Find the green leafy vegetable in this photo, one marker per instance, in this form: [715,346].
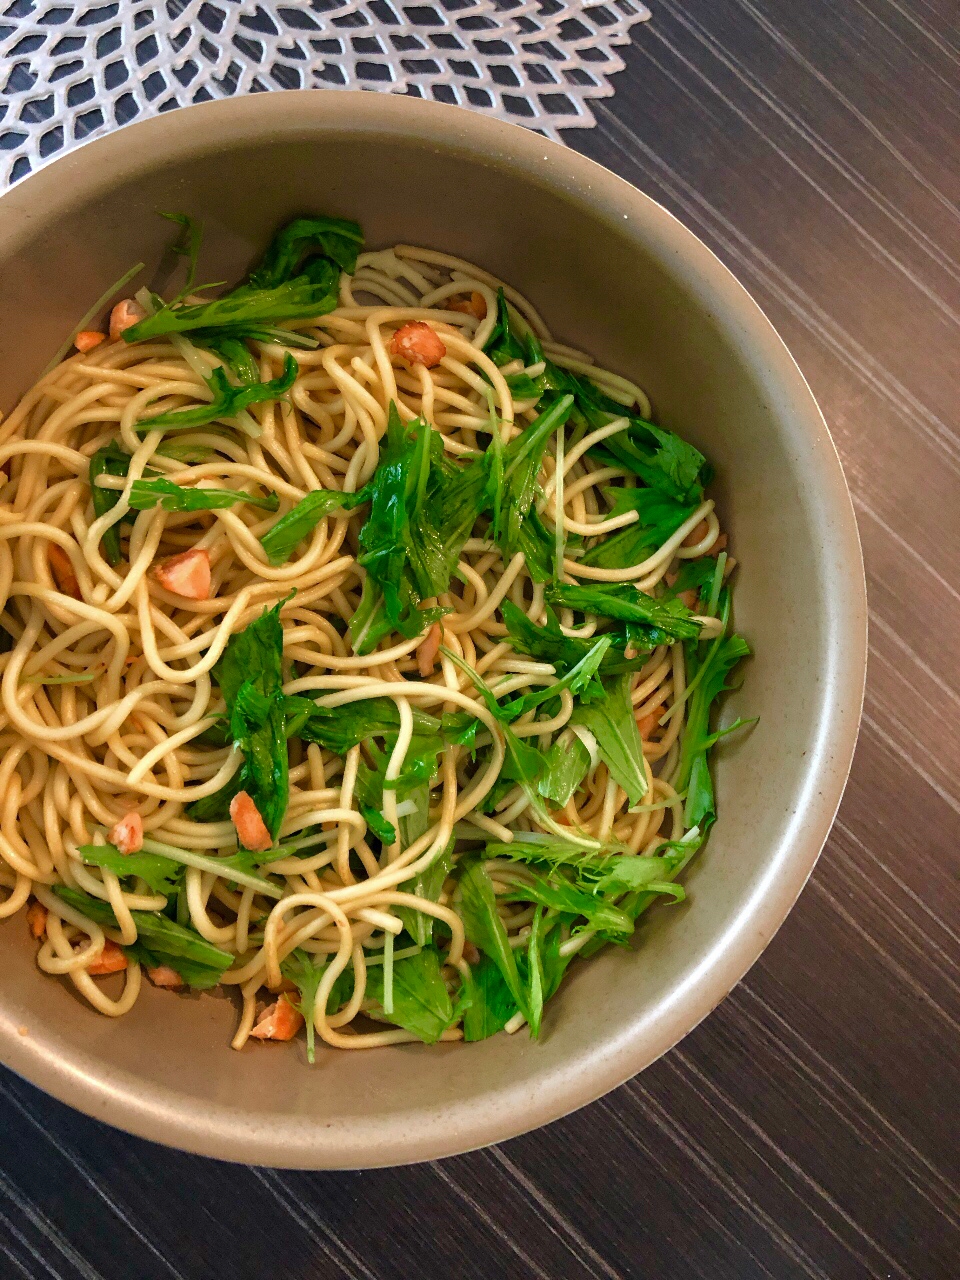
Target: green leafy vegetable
[340,728]
[369,623]
[281,540]
[217,736]
[342,989]
[455,498]
[243,309]
[621,550]
[522,459]
[710,672]
[538,546]
[459,728]
[232,349]
[404,534]
[575,876]
[534,972]
[524,763]
[200,977]
[198,962]
[660,458]
[650,622]
[578,678]
[161,874]
[490,1004]
[231,346]
[504,346]
[216,807]
[427,884]
[186,245]
[561,896]
[497,793]
[298,278]
[552,962]
[611,721]
[258,648]
[419,766]
[258,728]
[306,971]
[485,929]
[694,575]
[250,675]
[145,494]
[422,510]
[552,851]
[659,517]
[626,874]
[675,856]
[369,793]
[112,461]
[401,556]
[423,507]
[239,868]
[549,644]
[421,1002]
[659,514]
[338,239]
[567,764]
[227,401]
[148,493]
[604,893]
[717,585]
[185,452]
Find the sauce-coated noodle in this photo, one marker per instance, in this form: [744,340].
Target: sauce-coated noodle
[111,702]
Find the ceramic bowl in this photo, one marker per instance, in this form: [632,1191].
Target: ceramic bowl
[616,274]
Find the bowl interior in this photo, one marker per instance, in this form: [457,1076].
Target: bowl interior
[610,271]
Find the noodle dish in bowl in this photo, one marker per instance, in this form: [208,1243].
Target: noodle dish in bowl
[363,644]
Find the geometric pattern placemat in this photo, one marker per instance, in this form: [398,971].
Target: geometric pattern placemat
[75,70]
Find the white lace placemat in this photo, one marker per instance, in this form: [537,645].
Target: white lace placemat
[78,68]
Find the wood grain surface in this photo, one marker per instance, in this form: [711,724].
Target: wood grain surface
[811,1126]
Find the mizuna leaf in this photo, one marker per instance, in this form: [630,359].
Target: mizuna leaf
[280,541]
[227,401]
[611,721]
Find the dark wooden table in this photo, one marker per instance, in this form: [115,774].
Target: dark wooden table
[810,1127]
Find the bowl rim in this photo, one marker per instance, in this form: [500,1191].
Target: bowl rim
[163,1115]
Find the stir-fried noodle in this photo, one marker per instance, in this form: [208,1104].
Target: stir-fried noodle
[444,841]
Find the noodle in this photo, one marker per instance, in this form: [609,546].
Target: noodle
[113,694]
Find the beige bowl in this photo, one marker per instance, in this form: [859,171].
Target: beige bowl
[614,273]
